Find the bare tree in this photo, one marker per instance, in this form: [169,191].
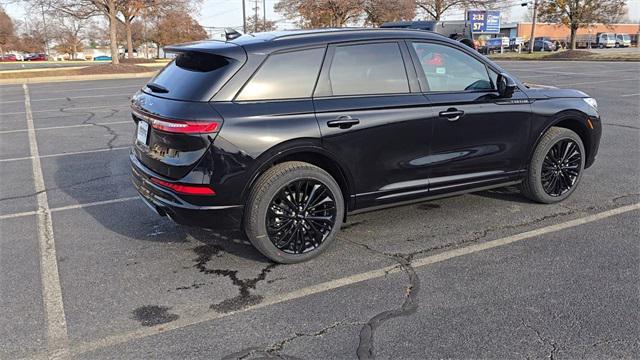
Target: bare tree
[83,9]
[581,13]
[381,11]
[436,8]
[321,13]
[69,32]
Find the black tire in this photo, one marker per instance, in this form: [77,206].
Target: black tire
[269,189]
[536,186]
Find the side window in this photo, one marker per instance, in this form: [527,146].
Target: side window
[449,69]
[368,69]
[284,76]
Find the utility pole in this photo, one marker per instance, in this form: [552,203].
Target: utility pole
[244,18]
[255,18]
[264,15]
[532,39]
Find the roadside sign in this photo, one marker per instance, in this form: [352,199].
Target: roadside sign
[483,21]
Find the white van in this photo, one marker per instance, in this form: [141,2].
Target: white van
[623,40]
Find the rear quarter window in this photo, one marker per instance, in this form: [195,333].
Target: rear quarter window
[290,75]
[195,76]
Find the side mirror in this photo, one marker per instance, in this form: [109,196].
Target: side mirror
[506,85]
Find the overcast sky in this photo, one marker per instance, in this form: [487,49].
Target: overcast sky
[228,13]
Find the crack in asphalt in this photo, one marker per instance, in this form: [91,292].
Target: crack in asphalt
[91,115]
[274,350]
[63,187]
[545,341]
[366,348]
[245,297]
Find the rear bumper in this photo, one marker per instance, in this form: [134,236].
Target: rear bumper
[166,203]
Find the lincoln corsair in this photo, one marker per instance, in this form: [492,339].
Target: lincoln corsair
[283,134]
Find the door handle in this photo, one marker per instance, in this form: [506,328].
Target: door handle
[452,114]
[343,122]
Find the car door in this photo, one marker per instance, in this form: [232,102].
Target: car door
[373,117]
[478,137]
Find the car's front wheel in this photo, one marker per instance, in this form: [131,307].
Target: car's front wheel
[294,212]
[556,167]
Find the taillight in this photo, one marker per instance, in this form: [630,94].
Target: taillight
[185,189]
[179,126]
[185,127]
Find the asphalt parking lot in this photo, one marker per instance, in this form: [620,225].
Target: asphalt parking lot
[87,271]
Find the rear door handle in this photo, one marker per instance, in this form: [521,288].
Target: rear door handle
[452,114]
[343,122]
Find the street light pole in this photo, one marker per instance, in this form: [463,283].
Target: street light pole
[532,39]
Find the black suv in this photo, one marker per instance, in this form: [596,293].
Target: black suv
[284,133]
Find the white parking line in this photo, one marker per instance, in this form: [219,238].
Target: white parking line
[596,82]
[627,95]
[70,207]
[185,321]
[66,154]
[66,127]
[65,98]
[57,336]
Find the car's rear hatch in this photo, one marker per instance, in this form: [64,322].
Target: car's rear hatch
[178,122]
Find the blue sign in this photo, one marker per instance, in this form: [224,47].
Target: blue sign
[484,21]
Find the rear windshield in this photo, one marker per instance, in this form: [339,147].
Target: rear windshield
[193,76]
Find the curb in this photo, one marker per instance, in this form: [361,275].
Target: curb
[46,79]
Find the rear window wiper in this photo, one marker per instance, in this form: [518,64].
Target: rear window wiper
[157,88]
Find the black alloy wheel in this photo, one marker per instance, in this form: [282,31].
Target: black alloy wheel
[301,216]
[561,167]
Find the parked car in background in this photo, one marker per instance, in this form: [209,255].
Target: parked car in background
[8,57]
[599,40]
[459,30]
[541,45]
[19,57]
[102,58]
[623,40]
[284,133]
[36,57]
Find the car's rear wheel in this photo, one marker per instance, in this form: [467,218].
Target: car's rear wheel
[556,167]
[294,212]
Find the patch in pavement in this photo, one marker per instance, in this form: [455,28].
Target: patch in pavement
[152,315]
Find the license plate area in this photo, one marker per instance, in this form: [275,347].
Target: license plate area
[143,132]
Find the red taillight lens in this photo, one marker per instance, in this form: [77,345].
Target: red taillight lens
[179,126]
[185,189]
[185,127]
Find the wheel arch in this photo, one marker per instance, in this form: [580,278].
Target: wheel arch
[572,120]
[311,153]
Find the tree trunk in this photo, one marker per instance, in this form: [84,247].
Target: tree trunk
[113,33]
[573,37]
[127,24]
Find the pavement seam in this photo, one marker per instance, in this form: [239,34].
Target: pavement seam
[57,335]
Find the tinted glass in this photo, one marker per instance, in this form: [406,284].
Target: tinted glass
[368,69]
[193,76]
[285,76]
[449,69]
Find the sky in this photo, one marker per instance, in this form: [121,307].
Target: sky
[228,13]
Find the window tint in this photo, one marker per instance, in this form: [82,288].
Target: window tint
[285,76]
[368,69]
[449,69]
[195,76]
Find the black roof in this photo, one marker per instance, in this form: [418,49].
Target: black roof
[276,40]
